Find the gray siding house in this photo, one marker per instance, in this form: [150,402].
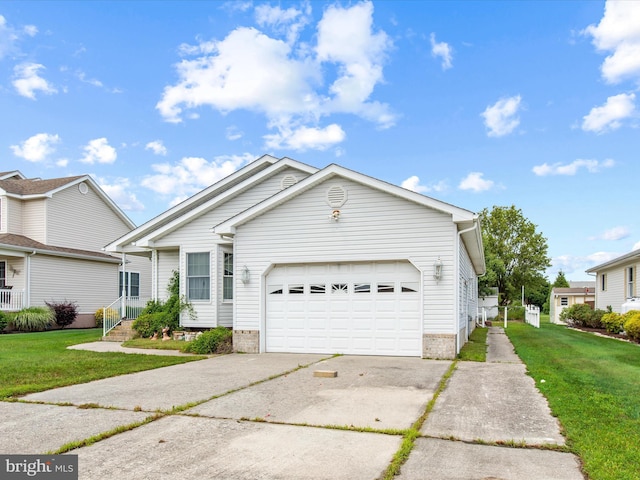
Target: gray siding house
[51,236]
[297,259]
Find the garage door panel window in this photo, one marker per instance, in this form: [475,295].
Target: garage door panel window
[275,290]
[296,289]
[317,288]
[198,276]
[386,287]
[409,287]
[362,288]
[339,288]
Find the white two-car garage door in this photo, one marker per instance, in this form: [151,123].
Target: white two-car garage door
[351,308]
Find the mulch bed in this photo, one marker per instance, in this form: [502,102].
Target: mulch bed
[604,333]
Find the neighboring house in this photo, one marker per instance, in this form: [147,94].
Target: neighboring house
[51,238]
[563,297]
[296,259]
[616,281]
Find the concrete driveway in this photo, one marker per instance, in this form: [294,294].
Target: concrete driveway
[268,417]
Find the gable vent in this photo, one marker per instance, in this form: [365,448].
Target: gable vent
[336,196]
[288,181]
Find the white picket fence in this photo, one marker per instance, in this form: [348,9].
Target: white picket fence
[532,315]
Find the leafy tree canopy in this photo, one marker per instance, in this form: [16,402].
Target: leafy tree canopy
[560,281]
[515,253]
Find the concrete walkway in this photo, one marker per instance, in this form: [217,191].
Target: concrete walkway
[268,416]
[117,347]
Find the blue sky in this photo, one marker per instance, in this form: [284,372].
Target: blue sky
[532,104]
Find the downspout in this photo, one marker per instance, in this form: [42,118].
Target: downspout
[123,306]
[28,280]
[470,229]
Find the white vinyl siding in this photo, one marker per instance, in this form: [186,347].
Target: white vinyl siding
[81,221]
[11,213]
[614,294]
[467,296]
[168,261]
[90,284]
[373,225]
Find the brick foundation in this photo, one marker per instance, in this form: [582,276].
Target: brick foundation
[246,341]
[439,345]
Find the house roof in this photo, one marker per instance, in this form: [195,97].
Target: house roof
[10,241]
[574,291]
[14,184]
[468,222]
[621,260]
[209,197]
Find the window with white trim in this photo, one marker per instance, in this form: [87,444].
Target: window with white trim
[130,281]
[603,282]
[198,276]
[227,276]
[564,301]
[3,274]
[630,282]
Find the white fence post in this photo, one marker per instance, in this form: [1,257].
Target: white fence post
[505,317]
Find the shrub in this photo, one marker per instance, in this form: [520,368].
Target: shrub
[33,319]
[578,315]
[65,312]
[595,319]
[613,322]
[632,325]
[4,320]
[217,340]
[111,313]
[149,323]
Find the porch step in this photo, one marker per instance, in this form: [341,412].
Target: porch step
[123,332]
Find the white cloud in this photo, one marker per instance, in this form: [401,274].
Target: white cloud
[99,151]
[120,192]
[570,263]
[233,133]
[156,147]
[501,118]
[10,36]
[618,32]
[616,233]
[192,174]
[475,183]
[636,246]
[289,22]
[285,79]
[413,183]
[27,81]
[303,138]
[36,148]
[442,50]
[82,76]
[592,166]
[608,116]
[62,162]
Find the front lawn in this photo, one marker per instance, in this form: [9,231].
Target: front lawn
[32,362]
[593,387]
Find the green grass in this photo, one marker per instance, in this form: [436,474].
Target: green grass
[475,350]
[33,362]
[593,387]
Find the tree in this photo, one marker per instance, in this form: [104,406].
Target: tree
[515,253]
[560,281]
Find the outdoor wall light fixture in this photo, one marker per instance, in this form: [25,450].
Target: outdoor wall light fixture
[335,215]
[437,269]
[245,275]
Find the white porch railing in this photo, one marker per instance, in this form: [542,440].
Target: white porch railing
[532,315]
[127,308]
[11,300]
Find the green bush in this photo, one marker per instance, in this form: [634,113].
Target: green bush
[613,322]
[632,325]
[33,319]
[149,323]
[579,315]
[111,313]
[595,319]
[217,340]
[4,320]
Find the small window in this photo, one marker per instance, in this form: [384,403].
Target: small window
[317,288]
[630,277]
[362,288]
[386,287]
[227,276]
[131,284]
[3,275]
[603,282]
[564,301]
[198,276]
[339,288]
[409,287]
[275,290]
[296,289]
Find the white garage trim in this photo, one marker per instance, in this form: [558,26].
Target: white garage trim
[361,308]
